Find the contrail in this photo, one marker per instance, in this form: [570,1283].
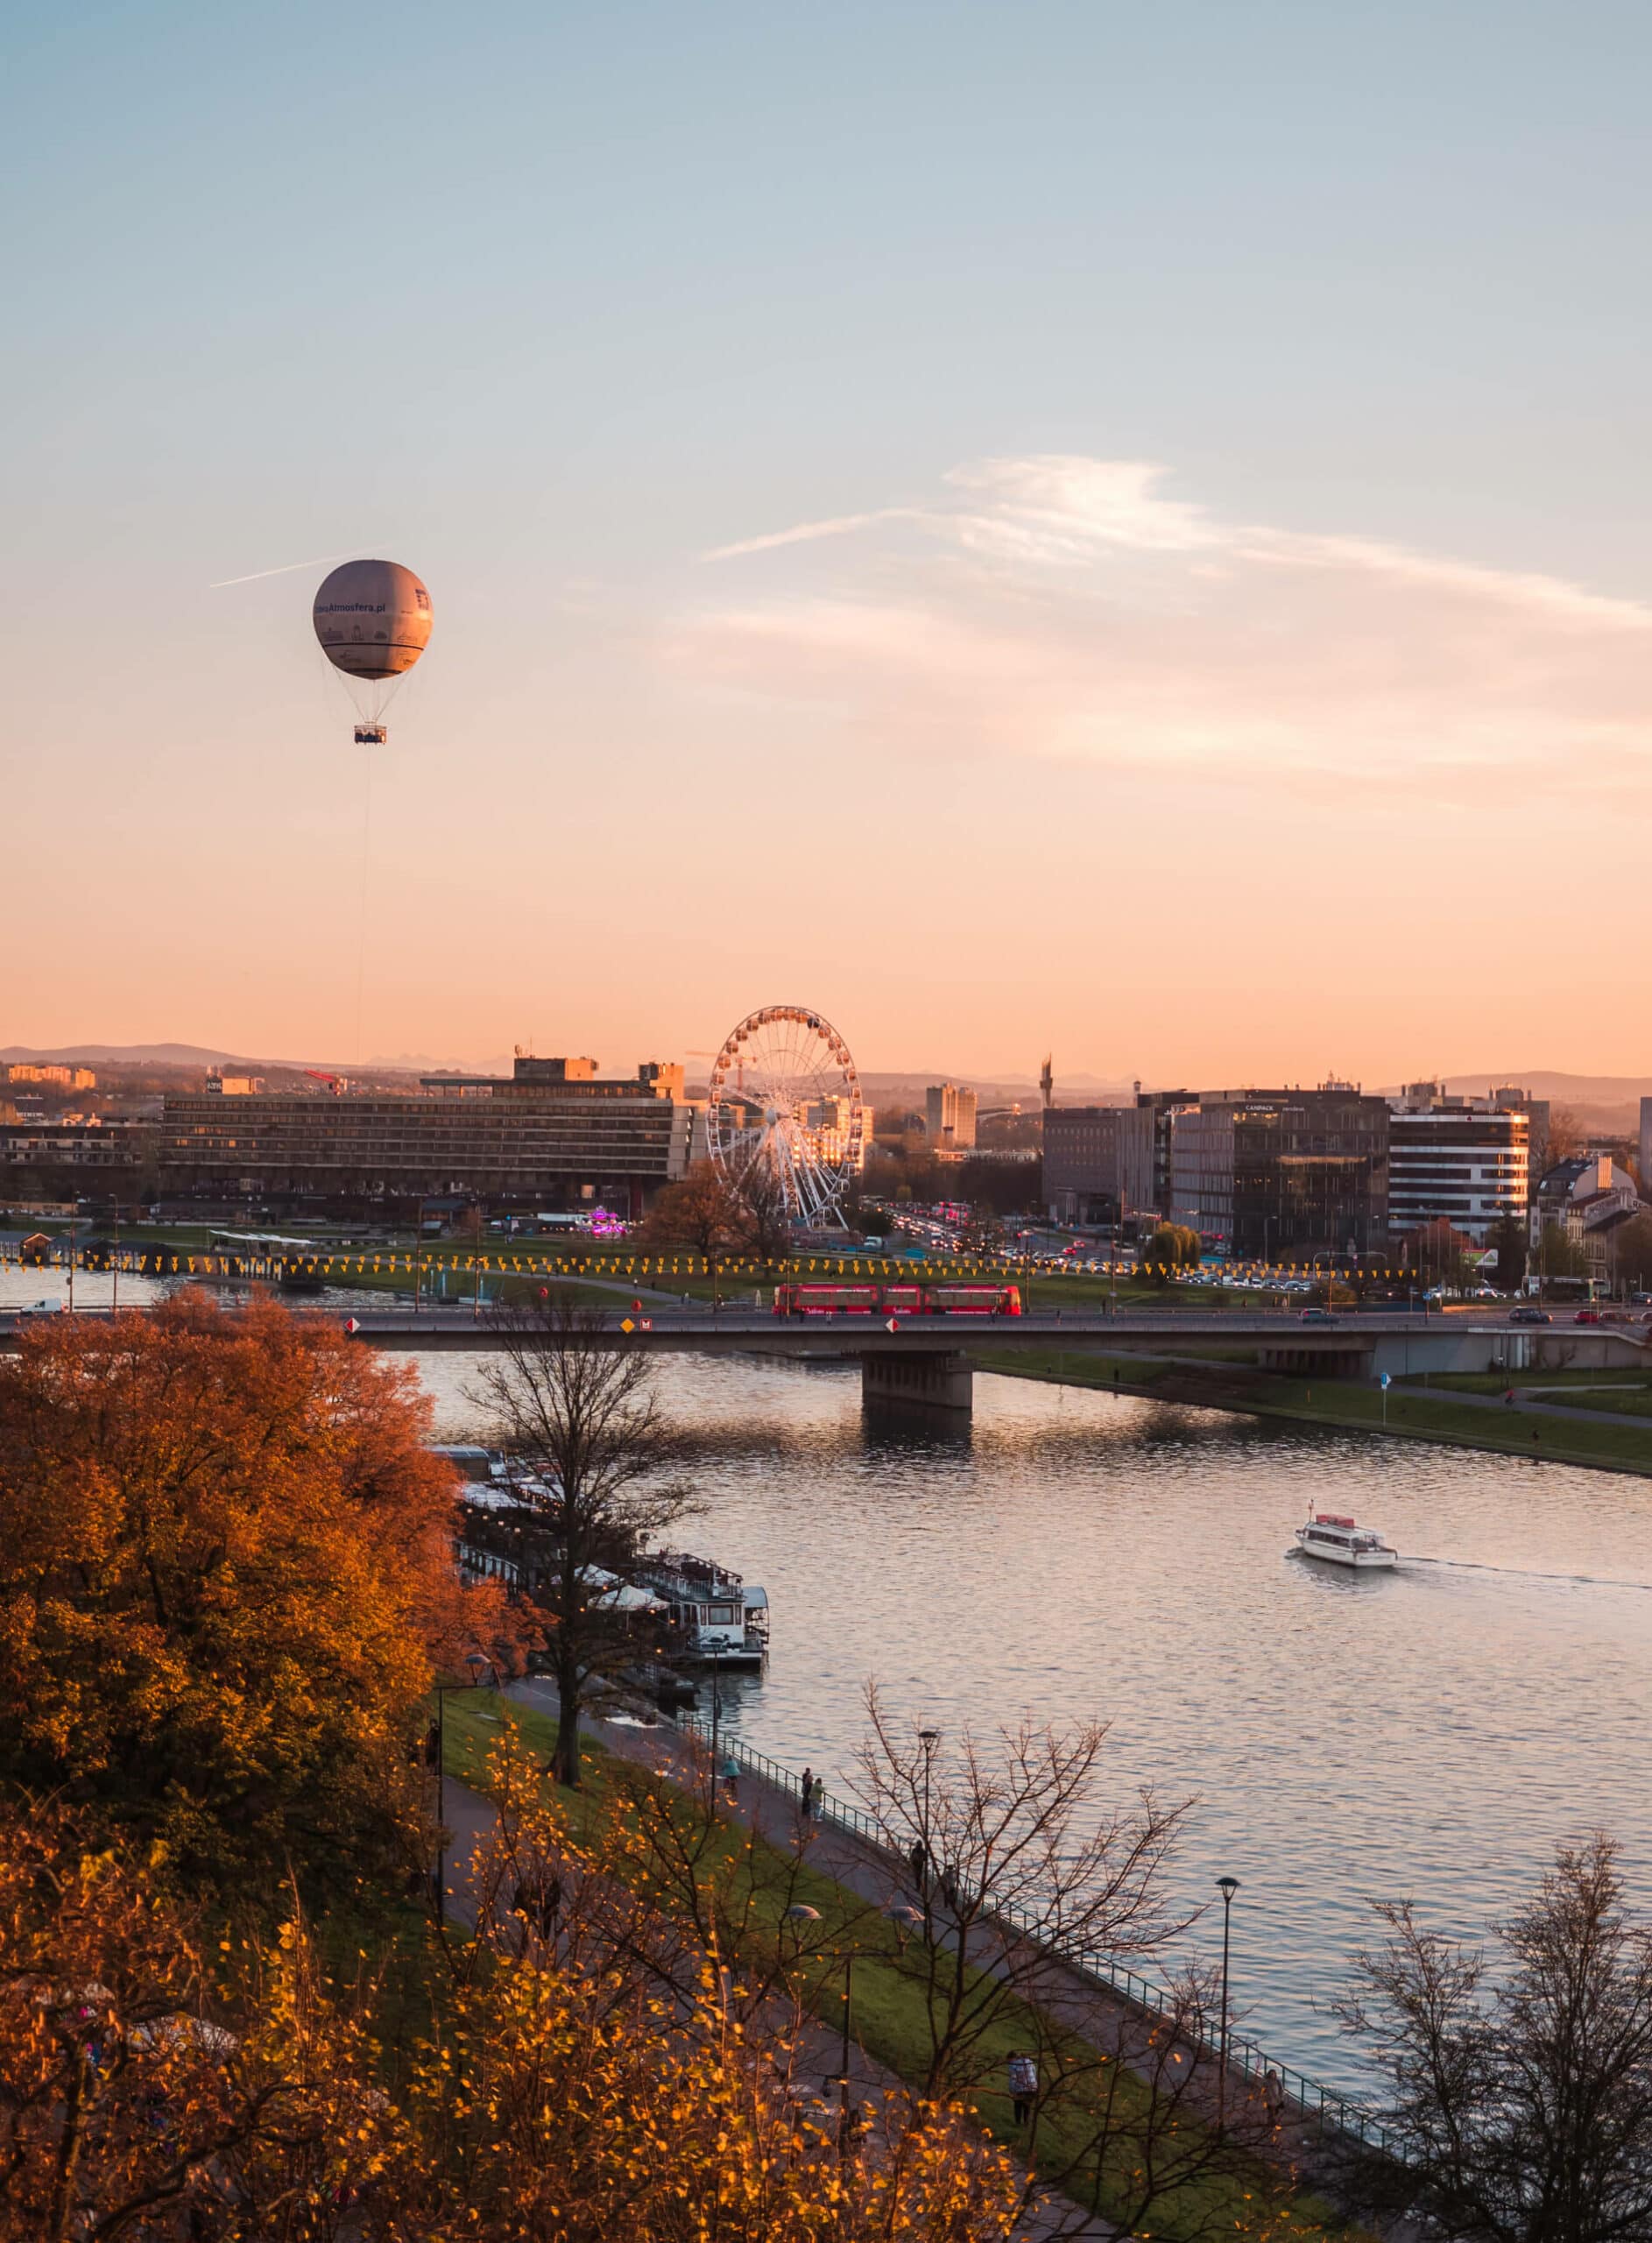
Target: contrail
[285,568]
[805,532]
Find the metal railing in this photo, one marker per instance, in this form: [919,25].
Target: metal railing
[1310,2097]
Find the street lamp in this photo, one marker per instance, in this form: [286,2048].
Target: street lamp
[928,1738]
[477,1663]
[716,1705]
[1228,1886]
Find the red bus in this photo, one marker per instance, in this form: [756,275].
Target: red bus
[851,1299]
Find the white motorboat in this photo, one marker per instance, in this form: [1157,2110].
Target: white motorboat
[1340,1542]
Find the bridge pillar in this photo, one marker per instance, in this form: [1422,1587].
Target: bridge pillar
[942,1381]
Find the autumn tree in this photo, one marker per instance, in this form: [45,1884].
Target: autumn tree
[651,2062]
[156,2080]
[573,1403]
[225,1561]
[704,1214]
[1519,2074]
[768,1213]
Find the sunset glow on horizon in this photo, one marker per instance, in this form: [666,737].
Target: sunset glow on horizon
[1104,558]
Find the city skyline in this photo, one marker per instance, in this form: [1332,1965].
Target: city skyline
[1057,538]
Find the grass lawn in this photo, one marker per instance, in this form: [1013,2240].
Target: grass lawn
[1414,1412]
[889,2020]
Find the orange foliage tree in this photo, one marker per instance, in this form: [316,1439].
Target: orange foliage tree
[157,2082]
[226,1567]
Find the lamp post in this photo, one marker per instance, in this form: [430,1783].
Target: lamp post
[928,1738]
[716,1708]
[1228,1886]
[477,1663]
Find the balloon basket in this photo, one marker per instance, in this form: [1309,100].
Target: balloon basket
[372,735]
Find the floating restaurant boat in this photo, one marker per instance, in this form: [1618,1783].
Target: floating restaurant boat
[1340,1542]
[718,1618]
[709,1616]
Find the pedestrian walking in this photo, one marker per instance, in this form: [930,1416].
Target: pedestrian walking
[1023,2070]
[820,1794]
[806,1799]
[918,1859]
[949,1884]
[731,1778]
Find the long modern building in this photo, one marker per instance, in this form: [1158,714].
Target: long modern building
[551,1134]
[1465,1161]
[1284,1174]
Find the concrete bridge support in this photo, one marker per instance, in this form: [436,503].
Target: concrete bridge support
[941,1381]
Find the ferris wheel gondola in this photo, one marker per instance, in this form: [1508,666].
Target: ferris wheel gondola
[785,1113]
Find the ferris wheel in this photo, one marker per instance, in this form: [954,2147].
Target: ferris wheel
[786,1103]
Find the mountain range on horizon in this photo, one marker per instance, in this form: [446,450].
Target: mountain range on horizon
[1557,1084]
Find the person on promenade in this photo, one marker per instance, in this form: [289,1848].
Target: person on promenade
[1023,2070]
[949,1884]
[731,1778]
[820,1794]
[806,1794]
[920,1859]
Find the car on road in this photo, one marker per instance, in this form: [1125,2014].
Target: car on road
[1529,1316]
[1315,1316]
[1587,1316]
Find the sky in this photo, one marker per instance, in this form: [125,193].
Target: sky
[1070,526]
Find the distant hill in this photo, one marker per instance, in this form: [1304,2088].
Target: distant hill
[131,1055]
[194,1056]
[1562,1090]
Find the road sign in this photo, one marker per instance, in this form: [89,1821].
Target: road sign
[1388,1380]
[626,1324]
[351,1325]
[893,1325]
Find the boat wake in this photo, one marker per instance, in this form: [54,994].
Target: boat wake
[1523,1573]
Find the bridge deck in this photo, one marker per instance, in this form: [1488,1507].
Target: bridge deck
[700,1330]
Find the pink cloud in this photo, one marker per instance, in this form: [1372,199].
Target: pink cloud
[1067,610]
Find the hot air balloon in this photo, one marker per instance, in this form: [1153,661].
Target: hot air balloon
[373,620]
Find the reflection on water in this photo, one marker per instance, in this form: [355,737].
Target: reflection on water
[1429,1732]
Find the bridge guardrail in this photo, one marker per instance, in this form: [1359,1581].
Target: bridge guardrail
[1311,2098]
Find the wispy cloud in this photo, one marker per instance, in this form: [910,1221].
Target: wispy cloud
[320,561]
[1072,609]
[810,533]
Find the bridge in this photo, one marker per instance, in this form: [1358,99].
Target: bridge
[926,1361]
